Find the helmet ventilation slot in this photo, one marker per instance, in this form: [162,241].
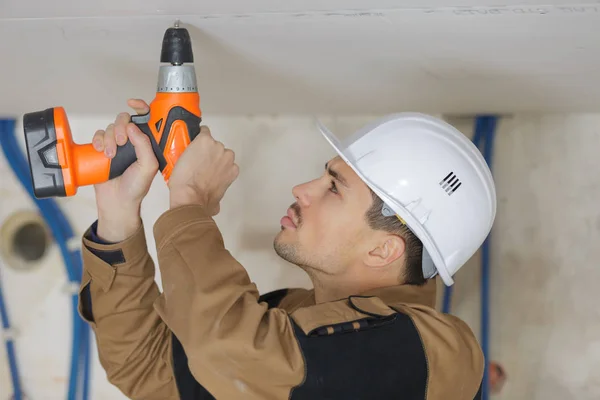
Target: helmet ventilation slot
[450,183]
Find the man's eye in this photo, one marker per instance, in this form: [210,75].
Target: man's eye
[333,188]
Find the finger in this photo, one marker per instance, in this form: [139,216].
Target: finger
[139,105]
[143,148]
[230,176]
[110,145]
[231,173]
[229,156]
[121,128]
[205,130]
[235,172]
[98,140]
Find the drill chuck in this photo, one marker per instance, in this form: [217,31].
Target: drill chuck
[176,50]
[176,46]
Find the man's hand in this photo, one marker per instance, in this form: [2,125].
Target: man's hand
[203,173]
[119,200]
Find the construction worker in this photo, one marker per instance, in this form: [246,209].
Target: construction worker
[407,198]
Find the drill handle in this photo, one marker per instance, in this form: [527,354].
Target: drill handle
[125,155]
[181,127]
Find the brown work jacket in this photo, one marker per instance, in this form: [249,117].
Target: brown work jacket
[210,334]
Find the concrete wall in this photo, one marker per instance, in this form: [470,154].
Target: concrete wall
[543,309]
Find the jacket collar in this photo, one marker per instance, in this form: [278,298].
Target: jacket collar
[423,295]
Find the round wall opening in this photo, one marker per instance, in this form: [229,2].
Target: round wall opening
[30,242]
[24,240]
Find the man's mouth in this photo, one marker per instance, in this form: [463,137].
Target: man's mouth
[288,220]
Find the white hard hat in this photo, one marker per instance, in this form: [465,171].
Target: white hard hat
[431,176]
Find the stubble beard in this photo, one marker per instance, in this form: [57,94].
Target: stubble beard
[289,252]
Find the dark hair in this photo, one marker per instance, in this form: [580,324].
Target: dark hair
[413,271]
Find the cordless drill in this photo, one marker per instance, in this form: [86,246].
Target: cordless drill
[59,166]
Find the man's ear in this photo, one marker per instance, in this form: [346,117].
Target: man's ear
[385,251]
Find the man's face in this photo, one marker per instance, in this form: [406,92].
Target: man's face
[326,226]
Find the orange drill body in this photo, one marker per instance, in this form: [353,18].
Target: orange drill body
[178,136]
[59,166]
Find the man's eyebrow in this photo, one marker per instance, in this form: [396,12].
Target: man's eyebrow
[336,175]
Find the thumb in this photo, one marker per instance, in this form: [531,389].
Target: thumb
[139,105]
[205,130]
[143,148]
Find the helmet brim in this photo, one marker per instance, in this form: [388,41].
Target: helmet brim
[432,259]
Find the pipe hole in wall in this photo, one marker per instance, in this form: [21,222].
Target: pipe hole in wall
[24,240]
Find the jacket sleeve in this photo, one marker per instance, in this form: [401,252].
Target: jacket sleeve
[236,346]
[116,298]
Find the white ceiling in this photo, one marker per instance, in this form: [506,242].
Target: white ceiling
[308,56]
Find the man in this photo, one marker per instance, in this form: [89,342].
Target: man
[407,198]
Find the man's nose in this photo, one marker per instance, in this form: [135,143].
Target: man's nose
[302,194]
